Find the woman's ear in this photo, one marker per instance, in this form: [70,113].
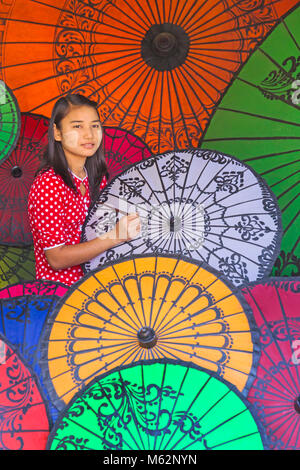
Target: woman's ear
[56,133]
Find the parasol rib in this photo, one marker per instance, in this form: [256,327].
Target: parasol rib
[282,20]
[104,13]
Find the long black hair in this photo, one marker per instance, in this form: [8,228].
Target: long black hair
[54,156]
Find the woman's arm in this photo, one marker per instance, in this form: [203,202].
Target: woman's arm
[65,256]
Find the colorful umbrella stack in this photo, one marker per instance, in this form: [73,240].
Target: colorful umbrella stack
[188,336]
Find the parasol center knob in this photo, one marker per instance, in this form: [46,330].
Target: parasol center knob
[175,224]
[16,172]
[147,337]
[165,44]
[297,404]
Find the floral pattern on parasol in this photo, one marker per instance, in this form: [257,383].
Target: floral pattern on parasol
[167,405]
[24,423]
[275,393]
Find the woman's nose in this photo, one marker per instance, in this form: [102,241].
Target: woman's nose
[88,132]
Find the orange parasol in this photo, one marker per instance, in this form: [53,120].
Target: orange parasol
[155,68]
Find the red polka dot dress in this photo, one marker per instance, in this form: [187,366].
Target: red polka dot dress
[56,215]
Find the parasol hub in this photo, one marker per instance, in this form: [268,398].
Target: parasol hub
[16,172]
[175,223]
[165,46]
[297,404]
[147,337]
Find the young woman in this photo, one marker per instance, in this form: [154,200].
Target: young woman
[69,180]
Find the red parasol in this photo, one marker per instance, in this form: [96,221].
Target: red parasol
[121,149]
[276,389]
[40,287]
[16,177]
[24,421]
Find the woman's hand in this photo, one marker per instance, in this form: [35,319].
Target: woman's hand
[127,228]
[65,256]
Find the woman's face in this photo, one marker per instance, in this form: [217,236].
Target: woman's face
[80,132]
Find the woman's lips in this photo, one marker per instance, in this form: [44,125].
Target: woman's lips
[88,146]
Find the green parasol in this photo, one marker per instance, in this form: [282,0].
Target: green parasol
[258,122]
[165,405]
[10,121]
[16,265]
